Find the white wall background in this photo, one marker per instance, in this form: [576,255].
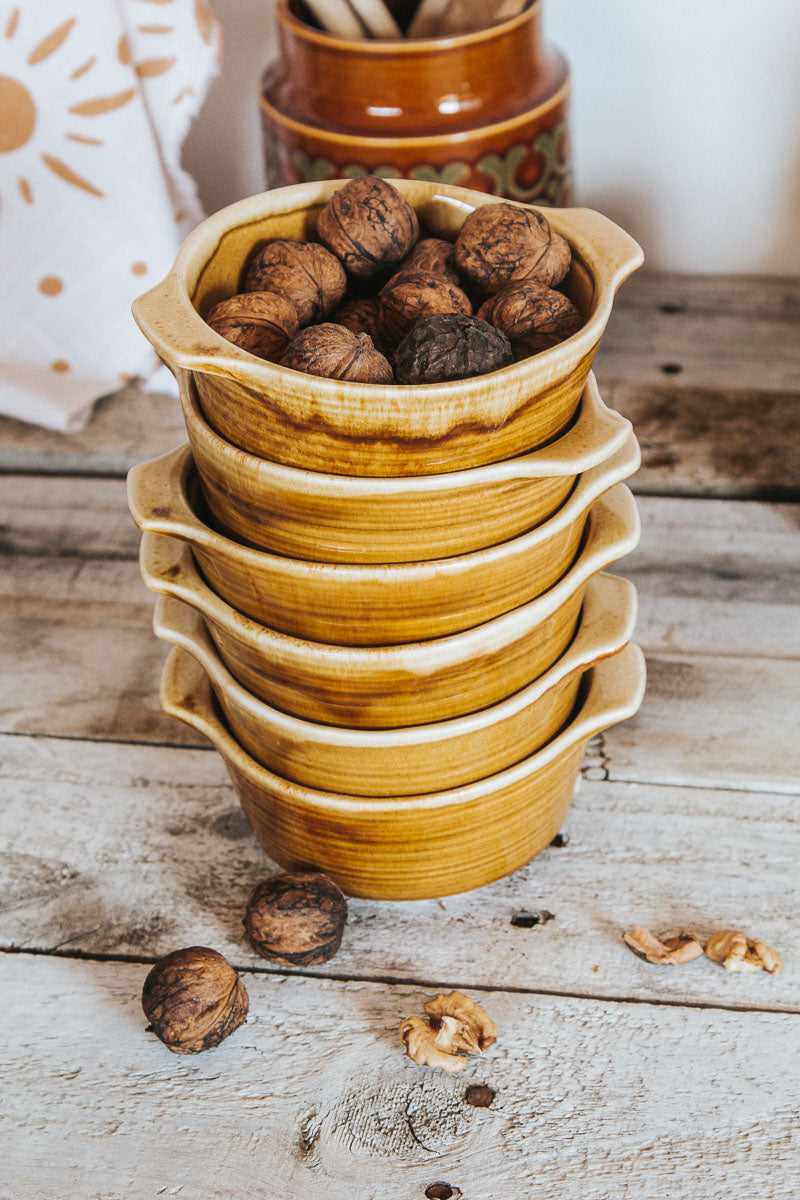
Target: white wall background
[686,122]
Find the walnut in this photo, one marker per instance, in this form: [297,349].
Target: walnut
[737,952]
[362,316]
[672,950]
[369,226]
[260,322]
[499,244]
[296,919]
[304,273]
[431,254]
[457,1026]
[450,346]
[409,296]
[193,999]
[531,313]
[334,351]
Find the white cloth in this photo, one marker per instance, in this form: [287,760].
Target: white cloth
[96,97]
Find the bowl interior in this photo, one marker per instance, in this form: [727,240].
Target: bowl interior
[439,216]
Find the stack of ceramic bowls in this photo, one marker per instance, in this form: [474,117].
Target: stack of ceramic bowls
[388,603]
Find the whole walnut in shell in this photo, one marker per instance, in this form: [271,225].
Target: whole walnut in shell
[304,273]
[335,352]
[450,346]
[432,254]
[193,999]
[407,297]
[362,316]
[369,226]
[296,919]
[259,322]
[499,244]
[532,313]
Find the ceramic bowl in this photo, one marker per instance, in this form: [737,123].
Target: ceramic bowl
[346,428]
[418,758]
[365,604]
[362,519]
[411,848]
[411,684]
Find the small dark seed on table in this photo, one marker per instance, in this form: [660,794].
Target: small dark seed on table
[479,1095]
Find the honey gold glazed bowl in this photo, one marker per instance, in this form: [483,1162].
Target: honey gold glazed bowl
[419,758]
[415,847]
[364,519]
[370,604]
[345,428]
[411,684]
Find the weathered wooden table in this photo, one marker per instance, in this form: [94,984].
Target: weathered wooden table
[121,839]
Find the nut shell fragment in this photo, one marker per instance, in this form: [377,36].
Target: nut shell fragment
[501,243]
[664,951]
[737,952]
[194,999]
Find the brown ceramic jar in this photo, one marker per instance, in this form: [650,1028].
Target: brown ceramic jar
[485,110]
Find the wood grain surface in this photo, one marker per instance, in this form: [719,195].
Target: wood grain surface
[121,839]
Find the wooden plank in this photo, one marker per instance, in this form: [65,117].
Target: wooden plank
[314,1096]
[61,515]
[77,655]
[712,721]
[722,334]
[127,427]
[139,849]
[713,441]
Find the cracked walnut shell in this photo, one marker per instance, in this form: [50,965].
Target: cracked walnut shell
[304,273]
[369,226]
[737,952]
[457,1026]
[260,322]
[296,919]
[333,351]
[533,314]
[409,296]
[193,998]
[499,244]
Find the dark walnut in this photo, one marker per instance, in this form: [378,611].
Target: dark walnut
[335,352]
[499,244]
[450,346]
[432,254]
[362,316]
[532,314]
[408,297]
[259,322]
[193,999]
[369,226]
[296,919]
[304,273]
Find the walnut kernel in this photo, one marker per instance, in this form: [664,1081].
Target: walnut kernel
[737,952]
[457,1026]
[670,950]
